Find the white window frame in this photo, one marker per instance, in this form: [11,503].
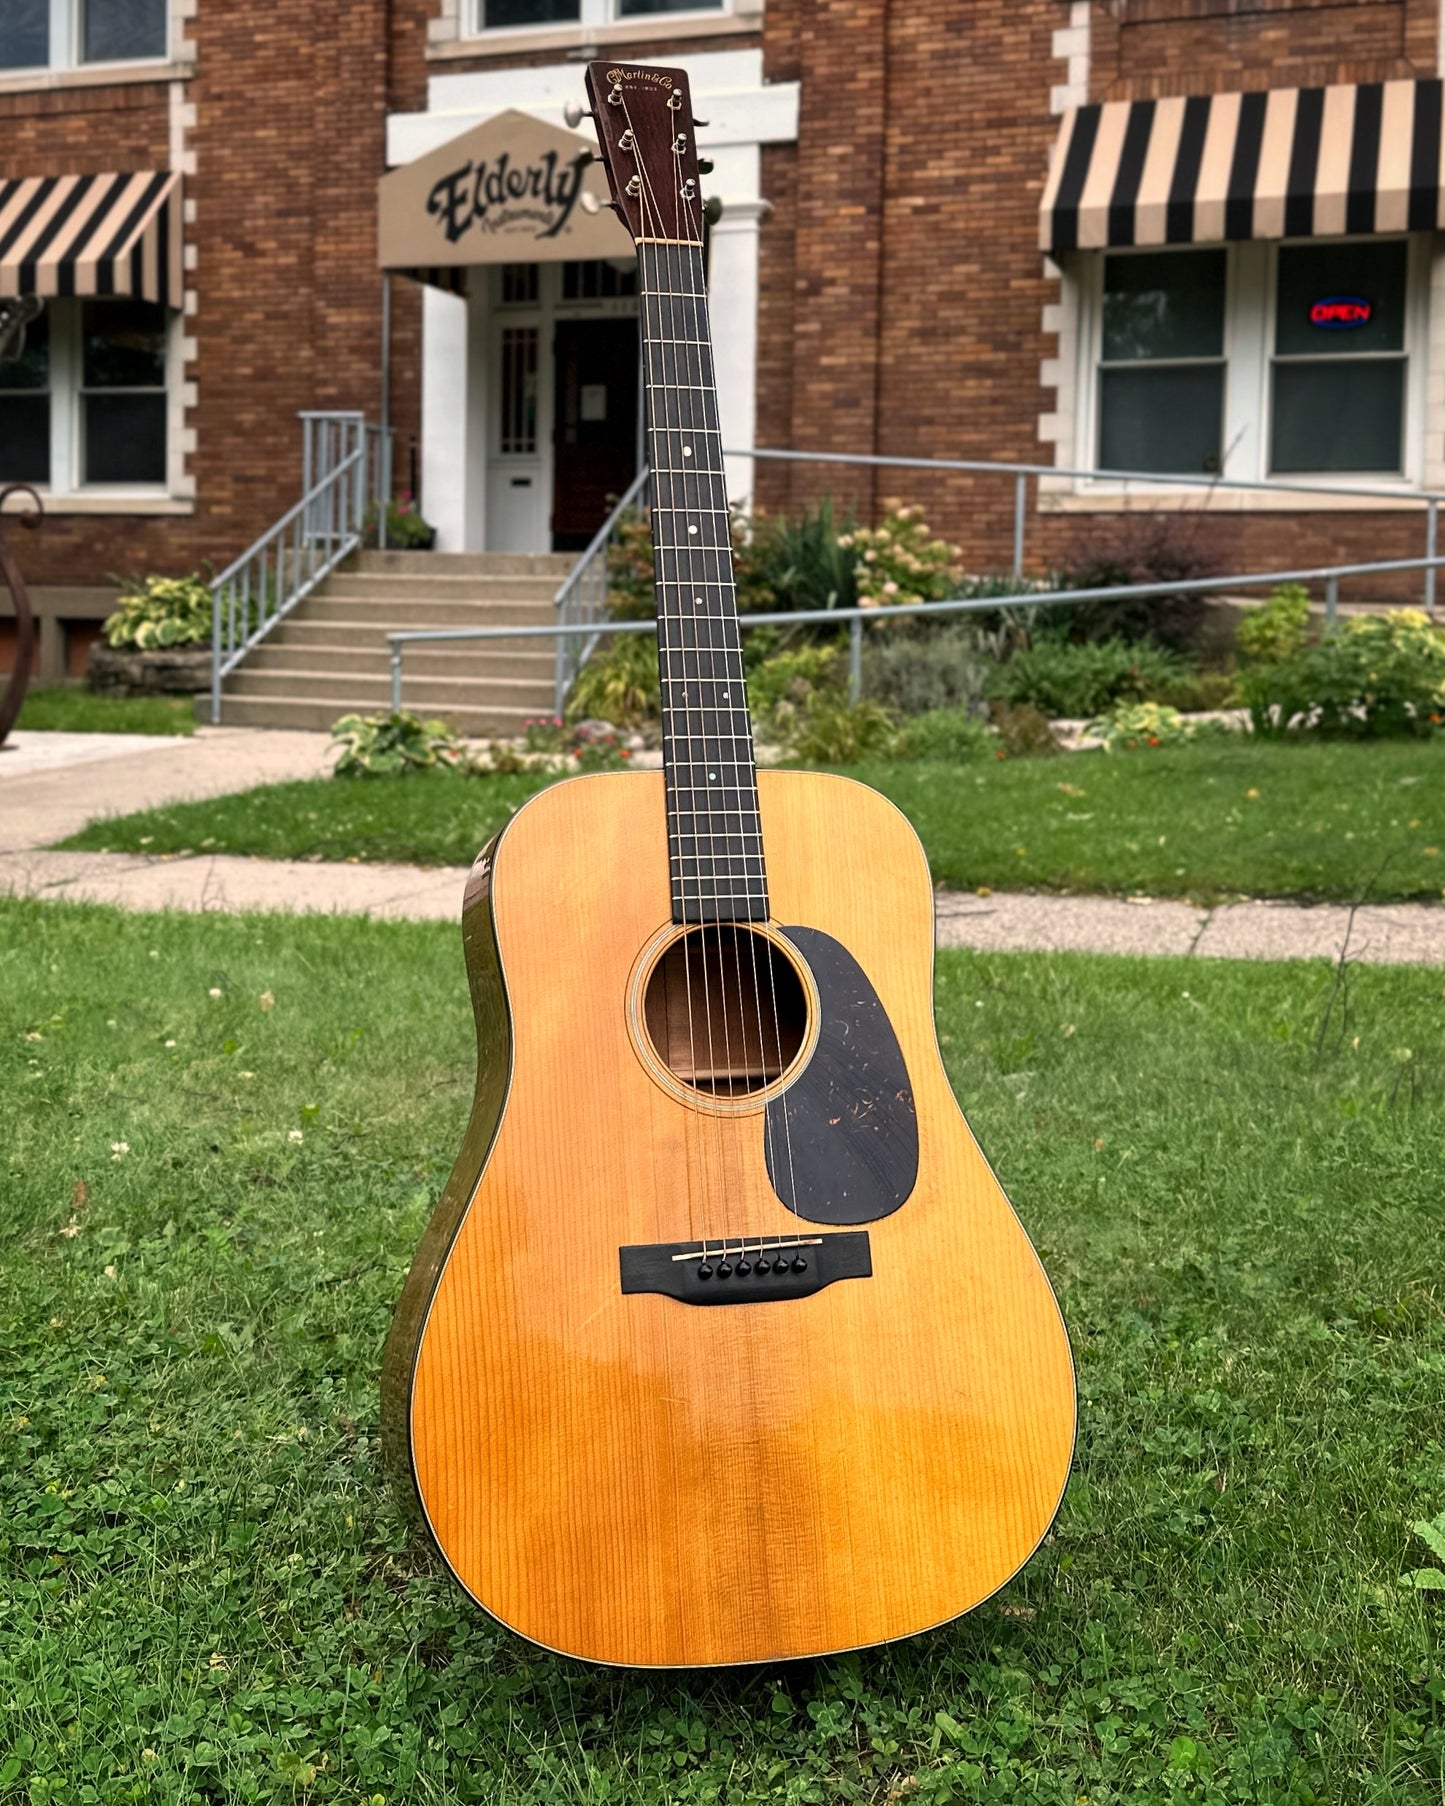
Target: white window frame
[1250,303]
[594,16]
[67,407]
[65,43]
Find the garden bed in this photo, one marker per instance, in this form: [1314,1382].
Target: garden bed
[223,1137]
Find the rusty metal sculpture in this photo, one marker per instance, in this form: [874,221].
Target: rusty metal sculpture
[24,616]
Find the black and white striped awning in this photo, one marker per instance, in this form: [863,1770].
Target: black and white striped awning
[92,235]
[1282,163]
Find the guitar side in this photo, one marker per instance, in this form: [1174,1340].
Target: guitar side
[624,1477]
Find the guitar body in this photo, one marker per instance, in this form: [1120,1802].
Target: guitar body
[625,1474]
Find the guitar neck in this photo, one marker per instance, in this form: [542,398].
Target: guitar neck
[714,833]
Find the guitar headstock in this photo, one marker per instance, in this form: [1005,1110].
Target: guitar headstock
[649,148]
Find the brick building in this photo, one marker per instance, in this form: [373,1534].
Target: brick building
[1194,236]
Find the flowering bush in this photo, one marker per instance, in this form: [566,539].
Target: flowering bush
[406,531]
[1378,674]
[156,612]
[1130,726]
[900,562]
[544,734]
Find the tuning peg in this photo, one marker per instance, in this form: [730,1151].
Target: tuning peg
[705,166]
[574,113]
[591,204]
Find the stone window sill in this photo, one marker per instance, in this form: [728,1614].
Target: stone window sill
[1138,500]
[96,75]
[107,502]
[582,37]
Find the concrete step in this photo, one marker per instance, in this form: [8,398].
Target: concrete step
[338,636]
[408,592]
[395,617]
[464,564]
[315,653]
[425,694]
[320,713]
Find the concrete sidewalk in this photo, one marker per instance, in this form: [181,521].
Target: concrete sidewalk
[1381,934]
[52,784]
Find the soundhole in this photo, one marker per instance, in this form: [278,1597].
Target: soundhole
[725,1010]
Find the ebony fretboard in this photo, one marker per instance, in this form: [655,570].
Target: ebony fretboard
[712,794]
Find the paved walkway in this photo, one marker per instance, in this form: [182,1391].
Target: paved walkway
[1386,934]
[58,782]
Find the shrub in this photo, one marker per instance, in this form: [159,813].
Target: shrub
[914,671]
[1130,726]
[156,612]
[1139,548]
[1378,674]
[1022,731]
[1063,677]
[948,735]
[392,745]
[900,562]
[783,688]
[1197,690]
[406,531]
[830,730]
[619,683]
[804,563]
[1276,630]
[544,734]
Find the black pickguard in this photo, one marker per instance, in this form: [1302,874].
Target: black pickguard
[842,1140]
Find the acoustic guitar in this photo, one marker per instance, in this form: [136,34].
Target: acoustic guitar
[724,1344]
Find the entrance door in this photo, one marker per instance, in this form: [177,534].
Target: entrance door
[594,439]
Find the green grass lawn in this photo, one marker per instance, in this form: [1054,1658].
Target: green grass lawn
[221,1138]
[1226,817]
[68,710]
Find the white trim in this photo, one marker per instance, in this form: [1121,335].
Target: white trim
[66,69]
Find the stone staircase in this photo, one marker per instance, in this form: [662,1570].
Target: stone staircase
[329,656]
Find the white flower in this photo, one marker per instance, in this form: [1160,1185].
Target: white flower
[267,1000]
[119,1150]
[170,1043]
[110,1272]
[294,1135]
[215,991]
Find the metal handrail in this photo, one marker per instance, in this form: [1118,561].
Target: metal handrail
[1330,574]
[582,599]
[1102,480]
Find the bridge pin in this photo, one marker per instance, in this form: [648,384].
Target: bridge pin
[760,1267]
[724,1269]
[743,1269]
[800,1265]
[704,1271]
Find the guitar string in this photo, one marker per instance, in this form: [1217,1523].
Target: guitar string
[648,203]
[704,340]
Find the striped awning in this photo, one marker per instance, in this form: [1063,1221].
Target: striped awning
[1281,163]
[92,235]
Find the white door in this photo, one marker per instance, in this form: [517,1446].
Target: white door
[518,499]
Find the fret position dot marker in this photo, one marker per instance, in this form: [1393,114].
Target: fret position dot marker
[687,451]
[692,529]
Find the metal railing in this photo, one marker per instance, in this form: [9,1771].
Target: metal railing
[582,600]
[1102,485]
[346,473]
[593,629]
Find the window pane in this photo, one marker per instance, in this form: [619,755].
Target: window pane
[1161,419]
[24,438]
[1311,275]
[629,8]
[31,370]
[114,30]
[499,14]
[125,345]
[1338,416]
[1165,304]
[24,34]
[125,438]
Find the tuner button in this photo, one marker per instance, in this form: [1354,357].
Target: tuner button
[704,1271]
[705,166]
[699,123]
[591,204]
[574,113]
[800,1265]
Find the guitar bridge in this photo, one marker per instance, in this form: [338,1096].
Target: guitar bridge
[745,1270]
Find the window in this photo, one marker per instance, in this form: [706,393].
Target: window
[1255,360]
[86,405]
[1339,358]
[1161,373]
[515,15]
[598,279]
[65,34]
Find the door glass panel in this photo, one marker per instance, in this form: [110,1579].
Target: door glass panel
[1338,416]
[25,409]
[1164,305]
[24,34]
[1340,300]
[519,390]
[115,31]
[500,15]
[1166,419]
[520,284]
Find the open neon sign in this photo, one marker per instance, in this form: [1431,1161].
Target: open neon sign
[1341,313]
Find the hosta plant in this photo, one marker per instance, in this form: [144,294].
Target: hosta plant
[392,745]
[1130,726]
[155,613]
